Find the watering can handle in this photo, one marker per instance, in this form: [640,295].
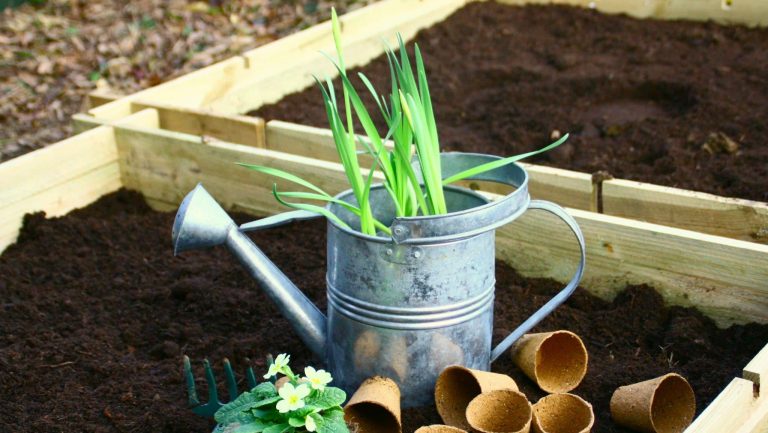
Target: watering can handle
[564,294]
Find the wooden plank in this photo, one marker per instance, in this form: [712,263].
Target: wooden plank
[209,126]
[728,412]
[747,12]
[723,277]
[245,130]
[568,188]
[165,165]
[56,179]
[730,217]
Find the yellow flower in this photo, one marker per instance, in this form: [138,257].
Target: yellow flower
[317,378]
[293,397]
[279,366]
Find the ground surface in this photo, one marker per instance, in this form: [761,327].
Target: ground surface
[96,312]
[673,103]
[52,55]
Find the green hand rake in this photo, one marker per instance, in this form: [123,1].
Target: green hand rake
[213,404]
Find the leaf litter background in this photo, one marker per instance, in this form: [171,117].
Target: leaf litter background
[54,53]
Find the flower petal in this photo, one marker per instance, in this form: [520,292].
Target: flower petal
[286,390]
[283,406]
[309,423]
[302,391]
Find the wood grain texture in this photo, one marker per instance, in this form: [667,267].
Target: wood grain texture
[208,126]
[239,129]
[730,217]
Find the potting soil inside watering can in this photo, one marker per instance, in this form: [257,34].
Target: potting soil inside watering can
[96,314]
[680,104]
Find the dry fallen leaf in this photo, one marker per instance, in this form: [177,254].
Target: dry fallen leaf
[54,54]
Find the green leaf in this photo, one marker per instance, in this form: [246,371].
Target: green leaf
[284,175]
[266,413]
[310,208]
[319,418]
[331,422]
[500,162]
[328,398]
[267,401]
[336,30]
[277,428]
[255,426]
[296,421]
[237,410]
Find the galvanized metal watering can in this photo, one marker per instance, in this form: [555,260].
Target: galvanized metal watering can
[404,306]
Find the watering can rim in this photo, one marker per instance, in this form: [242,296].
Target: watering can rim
[496,213]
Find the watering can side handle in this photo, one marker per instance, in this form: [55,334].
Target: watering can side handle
[564,294]
[278,220]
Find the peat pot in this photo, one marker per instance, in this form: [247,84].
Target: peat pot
[404,306]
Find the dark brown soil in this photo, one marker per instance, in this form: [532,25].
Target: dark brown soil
[96,314]
[640,98]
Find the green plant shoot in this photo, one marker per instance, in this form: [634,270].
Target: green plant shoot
[412,129]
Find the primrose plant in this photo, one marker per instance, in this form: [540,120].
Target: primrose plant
[301,404]
[412,130]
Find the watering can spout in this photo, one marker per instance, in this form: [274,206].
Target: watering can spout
[201,223]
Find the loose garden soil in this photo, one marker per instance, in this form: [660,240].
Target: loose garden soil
[680,104]
[96,313]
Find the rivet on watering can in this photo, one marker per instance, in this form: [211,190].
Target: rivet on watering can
[389,251]
[399,233]
[416,253]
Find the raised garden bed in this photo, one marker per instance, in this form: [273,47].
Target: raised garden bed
[164,304]
[97,313]
[162,151]
[662,101]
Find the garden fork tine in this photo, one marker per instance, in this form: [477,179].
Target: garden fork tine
[250,378]
[209,408]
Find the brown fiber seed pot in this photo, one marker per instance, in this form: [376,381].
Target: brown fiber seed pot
[562,413]
[457,386]
[375,407]
[665,404]
[500,411]
[439,428]
[556,361]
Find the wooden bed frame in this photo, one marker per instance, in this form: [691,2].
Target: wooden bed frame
[696,249]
